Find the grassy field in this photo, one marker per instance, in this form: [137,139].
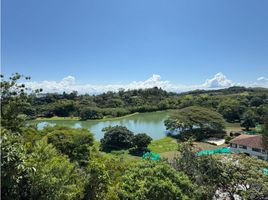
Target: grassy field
[233,127]
[163,145]
[167,147]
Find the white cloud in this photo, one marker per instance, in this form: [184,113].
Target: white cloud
[218,81]
[261,82]
[69,84]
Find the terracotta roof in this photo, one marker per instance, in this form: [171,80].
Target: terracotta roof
[254,141]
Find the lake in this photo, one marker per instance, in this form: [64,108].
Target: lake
[151,123]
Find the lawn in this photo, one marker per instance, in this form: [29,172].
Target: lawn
[163,145]
[167,147]
[233,127]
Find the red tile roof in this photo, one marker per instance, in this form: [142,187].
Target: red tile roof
[254,141]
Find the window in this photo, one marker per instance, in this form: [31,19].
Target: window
[255,149]
[260,157]
[233,145]
[242,147]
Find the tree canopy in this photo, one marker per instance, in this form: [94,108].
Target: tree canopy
[117,138]
[195,119]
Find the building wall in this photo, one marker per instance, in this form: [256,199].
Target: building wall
[249,151]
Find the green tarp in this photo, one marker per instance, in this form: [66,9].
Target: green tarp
[151,155]
[214,151]
[265,171]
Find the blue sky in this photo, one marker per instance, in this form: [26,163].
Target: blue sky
[121,41]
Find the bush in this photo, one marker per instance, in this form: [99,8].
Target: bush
[90,113]
[141,140]
[155,181]
[227,138]
[116,138]
[74,143]
[53,176]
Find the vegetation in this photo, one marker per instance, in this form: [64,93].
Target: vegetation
[75,143]
[195,121]
[65,163]
[155,181]
[235,175]
[231,103]
[116,138]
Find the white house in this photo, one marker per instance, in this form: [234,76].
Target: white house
[250,145]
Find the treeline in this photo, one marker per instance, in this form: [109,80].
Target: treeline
[236,104]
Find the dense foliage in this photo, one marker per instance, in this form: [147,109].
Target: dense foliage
[195,121]
[75,143]
[155,181]
[230,174]
[231,103]
[117,138]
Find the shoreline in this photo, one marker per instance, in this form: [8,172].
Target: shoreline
[77,118]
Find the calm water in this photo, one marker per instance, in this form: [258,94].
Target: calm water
[150,123]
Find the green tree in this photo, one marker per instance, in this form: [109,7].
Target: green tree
[265,133]
[13,169]
[141,140]
[195,121]
[53,177]
[75,143]
[156,181]
[116,138]
[140,143]
[248,120]
[63,108]
[90,113]
[231,174]
[231,110]
[14,102]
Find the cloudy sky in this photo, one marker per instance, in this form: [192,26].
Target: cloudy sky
[69,84]
[99,45]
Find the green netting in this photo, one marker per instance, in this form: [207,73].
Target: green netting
[151,155]
[251,132]
[265,171]
[214,151]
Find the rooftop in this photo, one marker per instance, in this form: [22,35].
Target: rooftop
[254,141]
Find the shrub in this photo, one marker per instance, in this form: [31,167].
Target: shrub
[116,138]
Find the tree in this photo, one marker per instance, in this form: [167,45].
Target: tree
[63,108]
[256,101]
[231,109]
[248,120]
[53,177]
[141,140]
[140,143]
[90,113]
[13,169]
[155,181]
[14,101]
[196,121]
[75,143]
[265,133]
[116,138]
[231,174]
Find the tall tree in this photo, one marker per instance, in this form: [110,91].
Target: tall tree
[14,101]
[195,120]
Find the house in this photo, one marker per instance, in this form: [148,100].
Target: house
[250,145]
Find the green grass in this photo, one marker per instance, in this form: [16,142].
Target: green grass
[163,145]
[233,127]
[55,118]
